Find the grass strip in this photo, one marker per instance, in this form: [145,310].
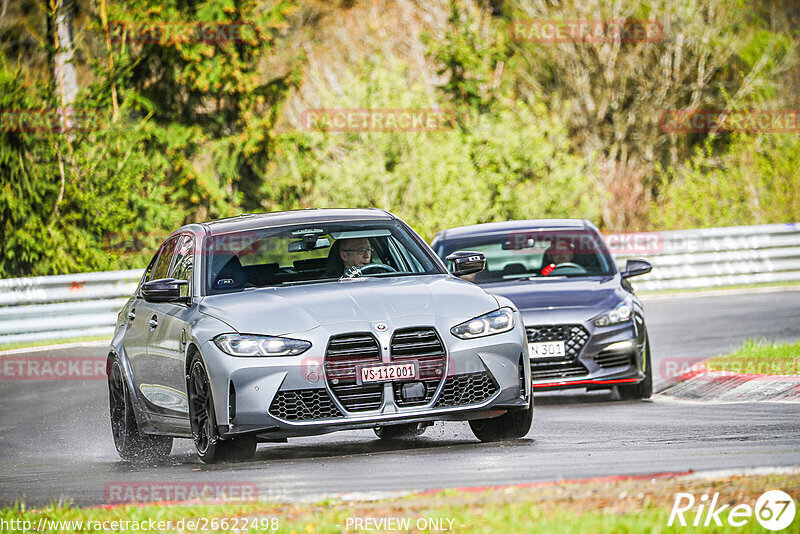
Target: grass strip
[760,357]
[620,506]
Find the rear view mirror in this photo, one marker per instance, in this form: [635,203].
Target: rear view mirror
[467,262]
[164,290]
[309,244]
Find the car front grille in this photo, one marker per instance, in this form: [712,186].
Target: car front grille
[614,359]
[420,344]
[304,405]
[574,337]
[473,388]
[343,354]
[557,370]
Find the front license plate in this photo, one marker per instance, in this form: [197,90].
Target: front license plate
[548,349]
[388,373]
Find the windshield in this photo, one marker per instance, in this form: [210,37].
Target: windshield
[311,253]
[530,254]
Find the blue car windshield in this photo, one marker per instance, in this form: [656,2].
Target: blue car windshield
[315,252]
[530,254]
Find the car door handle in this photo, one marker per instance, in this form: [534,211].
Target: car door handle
[153,322]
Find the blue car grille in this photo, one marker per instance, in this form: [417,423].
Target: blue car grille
[574,337]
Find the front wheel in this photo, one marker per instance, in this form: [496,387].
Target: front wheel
[210,446]
[131,445]
[643,389]
[511,425]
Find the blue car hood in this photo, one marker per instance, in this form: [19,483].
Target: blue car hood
[561,300]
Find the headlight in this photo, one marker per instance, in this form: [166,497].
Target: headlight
[620,314]
[495,322]
[251,345]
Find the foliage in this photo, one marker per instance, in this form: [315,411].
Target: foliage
[514,163]
[717,54]
[183,134]
[756,182]
[190,131]
[111,186]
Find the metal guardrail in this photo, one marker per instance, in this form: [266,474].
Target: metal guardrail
[713,257]
[77,305]
[65,306]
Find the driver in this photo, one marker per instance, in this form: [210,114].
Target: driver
[558,253]
[355,253]
[561,253]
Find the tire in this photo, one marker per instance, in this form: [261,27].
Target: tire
[643,389]
[511,425]
[404,431]
[210,446]
[131,445]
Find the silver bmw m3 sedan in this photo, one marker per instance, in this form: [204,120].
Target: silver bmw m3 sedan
[264,327]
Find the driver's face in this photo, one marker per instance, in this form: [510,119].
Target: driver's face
[562,254]
[355,252]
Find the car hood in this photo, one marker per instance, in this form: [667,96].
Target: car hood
[561,300]
[285,310]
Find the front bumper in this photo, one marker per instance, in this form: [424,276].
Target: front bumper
[294,396]
[592,365]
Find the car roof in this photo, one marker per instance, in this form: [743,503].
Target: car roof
[511,226]
[253,221]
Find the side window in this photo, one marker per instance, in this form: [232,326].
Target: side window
[147,274]
[183,266]
[161,268]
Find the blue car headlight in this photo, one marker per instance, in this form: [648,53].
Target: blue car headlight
[253,345]
[619,314]
[491,323]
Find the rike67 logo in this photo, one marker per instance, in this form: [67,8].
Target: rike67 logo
[774,510]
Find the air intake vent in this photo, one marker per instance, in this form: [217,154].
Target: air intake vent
[614,359]
[420,344]
[556,370]
[304,405]
[461,390]
[343,354]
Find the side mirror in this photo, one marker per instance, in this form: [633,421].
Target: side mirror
[467,262]
[636,268]
[164,290]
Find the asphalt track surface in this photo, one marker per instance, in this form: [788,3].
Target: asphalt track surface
[55,437]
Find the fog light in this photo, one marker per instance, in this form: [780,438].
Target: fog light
[620,346]
[413,391]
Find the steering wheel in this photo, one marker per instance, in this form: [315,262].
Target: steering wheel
[376,266]
[568,265]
